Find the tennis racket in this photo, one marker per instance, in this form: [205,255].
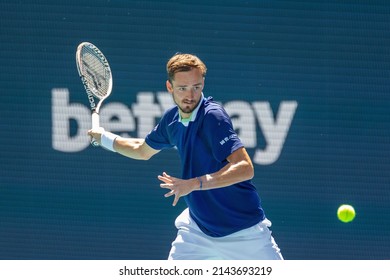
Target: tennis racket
[96,76]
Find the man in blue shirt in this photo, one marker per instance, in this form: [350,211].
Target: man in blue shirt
[224,218]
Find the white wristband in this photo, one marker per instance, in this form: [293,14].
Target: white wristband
[108,140]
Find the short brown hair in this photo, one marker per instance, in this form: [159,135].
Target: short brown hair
[182,62]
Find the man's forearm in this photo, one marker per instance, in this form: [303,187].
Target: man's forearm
[134,148]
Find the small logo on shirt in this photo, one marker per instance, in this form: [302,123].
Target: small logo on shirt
[224,140]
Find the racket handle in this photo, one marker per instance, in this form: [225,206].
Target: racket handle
[95,125]
[95,120]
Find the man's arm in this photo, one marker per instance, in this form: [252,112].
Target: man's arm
[239,168]
[135,148]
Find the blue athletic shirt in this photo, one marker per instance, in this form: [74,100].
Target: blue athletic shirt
[204,143]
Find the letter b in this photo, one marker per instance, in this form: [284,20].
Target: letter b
[62,113]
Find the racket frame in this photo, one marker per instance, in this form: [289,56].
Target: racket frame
[95,100]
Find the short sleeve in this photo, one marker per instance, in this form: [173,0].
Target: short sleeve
[158,138]
[219,134]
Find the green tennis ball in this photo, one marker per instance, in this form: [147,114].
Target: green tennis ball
[346,213]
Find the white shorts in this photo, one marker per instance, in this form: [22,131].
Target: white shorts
[254,243]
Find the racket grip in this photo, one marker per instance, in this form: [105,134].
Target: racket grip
[95,125]
[95,120]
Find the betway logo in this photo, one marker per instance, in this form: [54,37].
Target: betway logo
[141,117]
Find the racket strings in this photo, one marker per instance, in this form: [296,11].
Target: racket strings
[95,73]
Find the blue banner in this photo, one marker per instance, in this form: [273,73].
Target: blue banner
[307,86]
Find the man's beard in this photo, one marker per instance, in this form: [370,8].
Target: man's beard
[186,109]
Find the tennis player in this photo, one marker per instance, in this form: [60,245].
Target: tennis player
[224,219]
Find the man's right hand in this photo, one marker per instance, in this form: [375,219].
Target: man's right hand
[96,134]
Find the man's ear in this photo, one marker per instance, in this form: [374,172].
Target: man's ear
[169,86]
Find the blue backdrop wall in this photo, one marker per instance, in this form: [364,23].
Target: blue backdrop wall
[307,85]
